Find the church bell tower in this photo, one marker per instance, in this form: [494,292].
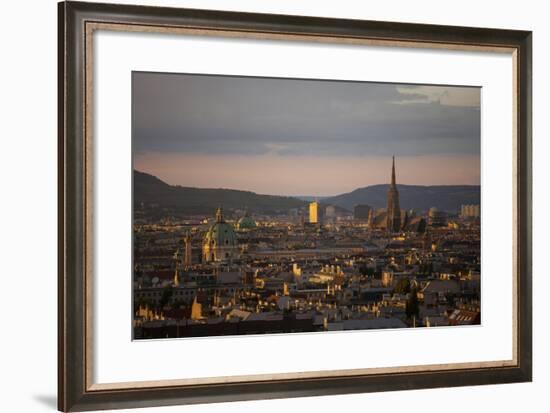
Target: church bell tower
[393,223]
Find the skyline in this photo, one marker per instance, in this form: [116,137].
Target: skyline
[320,184]
[336,136]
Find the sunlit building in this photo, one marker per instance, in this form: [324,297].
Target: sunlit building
[188,254]
[220,241]
[393,218]
[315,213]
[470,211]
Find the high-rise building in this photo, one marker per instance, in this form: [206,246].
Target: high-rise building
[470,211]
[330,214]
[315,213]
[437,218]
[361,211]
[393,218]
[330,211]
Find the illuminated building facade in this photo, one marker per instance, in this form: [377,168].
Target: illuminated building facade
[220,242]
[315,213]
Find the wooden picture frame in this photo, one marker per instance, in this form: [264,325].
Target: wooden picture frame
[76,391]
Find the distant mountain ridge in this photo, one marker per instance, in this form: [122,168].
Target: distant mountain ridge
[444,197]
[310,198]
[149,189]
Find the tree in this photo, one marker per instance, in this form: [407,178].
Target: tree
[166,296]
[450,299]
[364,270]
[403,286]
[412,307]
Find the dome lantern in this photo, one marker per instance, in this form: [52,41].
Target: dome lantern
[219,215]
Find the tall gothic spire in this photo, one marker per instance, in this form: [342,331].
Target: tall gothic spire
[393,216]
[393,171]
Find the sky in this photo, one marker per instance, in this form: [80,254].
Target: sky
[302,137]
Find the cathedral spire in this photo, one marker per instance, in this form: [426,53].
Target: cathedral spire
[393,170]
[393,216]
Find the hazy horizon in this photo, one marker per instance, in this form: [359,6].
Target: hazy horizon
[320,196]
[296,137]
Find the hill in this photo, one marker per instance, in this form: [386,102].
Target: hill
[149,189]
[445,197]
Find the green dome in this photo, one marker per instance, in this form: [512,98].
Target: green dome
[246,223]
[221,234]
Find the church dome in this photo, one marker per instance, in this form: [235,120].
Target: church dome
[246,222]
[220,233]
[220,241]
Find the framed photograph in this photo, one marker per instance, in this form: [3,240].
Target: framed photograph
[260,206]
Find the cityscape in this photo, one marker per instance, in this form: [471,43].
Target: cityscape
[217,260]
[313,269]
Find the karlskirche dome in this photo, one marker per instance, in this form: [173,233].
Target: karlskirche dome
[220,241]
